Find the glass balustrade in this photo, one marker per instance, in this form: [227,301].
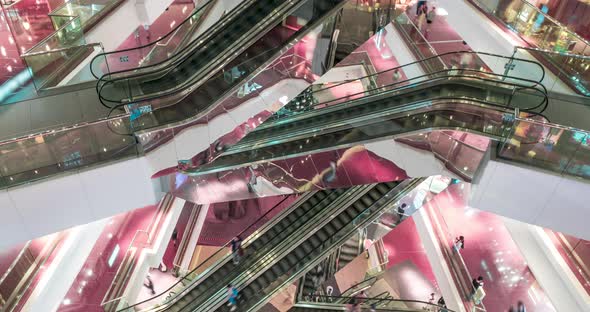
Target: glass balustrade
[52,59]
[564,51]
[155,52]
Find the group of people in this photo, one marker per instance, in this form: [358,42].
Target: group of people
[424,16]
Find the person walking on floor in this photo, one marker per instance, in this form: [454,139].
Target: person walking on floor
[150,284]
[174,236]
[401,212]
[421,20]
[430,17]
[236,249]
[476,283]
[520,307]
[419,6]
[459,243]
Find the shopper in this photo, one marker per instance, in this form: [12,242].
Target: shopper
[421,17]
[174,237]
[431,15]
[476,283]
[330,173]
[520,307]
[442,305]
[401,211]
[396,75]
[459,243]
[236,249]
[419,6]
[232,294]
[150,284]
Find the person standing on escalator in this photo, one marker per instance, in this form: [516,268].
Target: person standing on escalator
[232,294]
[236,249]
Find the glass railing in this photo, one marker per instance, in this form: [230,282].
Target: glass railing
[409,76]
[53,152]
[53,58]
[551,42]
[572,69]
[154,52]
[142,239]
[88,11]
[378,303]
[556,148]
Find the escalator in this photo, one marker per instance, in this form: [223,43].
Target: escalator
[378,303]
[469,100]
[358,206]
[247,38]
[352,248]
[297,239]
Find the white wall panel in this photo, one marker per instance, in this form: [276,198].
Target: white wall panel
[12,227]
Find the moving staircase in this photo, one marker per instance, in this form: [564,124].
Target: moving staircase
[335,303]
[470,100]
[287,247]
[247,38]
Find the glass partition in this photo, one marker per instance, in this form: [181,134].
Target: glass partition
[562,50]
[548,146]
[36,157]
[156,51]
[86,10]
[48,58]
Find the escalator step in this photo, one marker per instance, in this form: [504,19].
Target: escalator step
[292,259]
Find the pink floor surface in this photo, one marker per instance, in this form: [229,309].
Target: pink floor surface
[490,252]
[409,263]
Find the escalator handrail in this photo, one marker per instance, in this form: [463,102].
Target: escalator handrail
[196,11]
[335,208]
[222,249]
[200,40]
[381,299]
[430,105]
[100,85]
[543,90]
